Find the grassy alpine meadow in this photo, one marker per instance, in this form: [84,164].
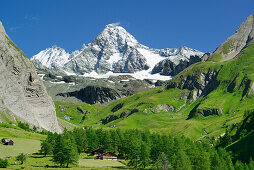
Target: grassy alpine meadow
[24,141]
[41,162]
[86,162]
[11,131]
[21,145]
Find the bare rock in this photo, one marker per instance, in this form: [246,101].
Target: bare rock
[237,42]
[21,89]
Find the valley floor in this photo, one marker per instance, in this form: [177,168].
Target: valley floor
[41,162]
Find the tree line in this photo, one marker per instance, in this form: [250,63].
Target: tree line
[141,149]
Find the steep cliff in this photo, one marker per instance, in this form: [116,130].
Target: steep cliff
[22,92]
[232,47]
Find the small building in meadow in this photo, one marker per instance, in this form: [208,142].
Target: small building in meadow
[97,152]
[108,156]
[7,141]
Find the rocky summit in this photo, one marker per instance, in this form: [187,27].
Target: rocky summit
[115,50]
[23,96]
[232,47]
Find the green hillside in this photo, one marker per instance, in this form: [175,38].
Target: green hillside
[203,100]
[24,141]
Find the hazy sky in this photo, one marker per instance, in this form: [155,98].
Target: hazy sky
[200,24]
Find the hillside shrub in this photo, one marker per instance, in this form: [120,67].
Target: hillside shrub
[3,163]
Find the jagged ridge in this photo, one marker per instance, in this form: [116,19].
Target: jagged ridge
[114,50]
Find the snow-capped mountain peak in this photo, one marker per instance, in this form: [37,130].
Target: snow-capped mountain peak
[52,57]
[114,51]
[116,35]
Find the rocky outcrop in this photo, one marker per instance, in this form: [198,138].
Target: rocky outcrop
[117,107]
[201,84]
[21,89]
[169,68]
[208,112]
[161,108]
[93,94]
[111,118]
[232,47]
[195,112]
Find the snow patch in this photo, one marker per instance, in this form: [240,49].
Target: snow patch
[41,76]
[141,75]
[125,80]
[72,83]
[69,74]
[60,82]
[115,57]
[111,82]
[151,58]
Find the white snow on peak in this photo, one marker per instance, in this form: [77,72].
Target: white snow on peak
[52,57]
[112,45]
[141,75]
[56,56]
[77,52]
[178,54]
[115,57]
[115,33]
[151,58]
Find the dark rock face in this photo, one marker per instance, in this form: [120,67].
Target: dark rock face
[80,110]
[204,112]
[209,112]
[134,62]
[160,83]
[92,94]
[203,83]
[117,107]
[111,118]
[168,68]
[246,83]
[59,84]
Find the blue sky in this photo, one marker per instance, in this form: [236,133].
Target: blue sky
[200,24]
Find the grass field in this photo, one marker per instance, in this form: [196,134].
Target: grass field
[96,163]
[21,145]
[40,162]
[10,131]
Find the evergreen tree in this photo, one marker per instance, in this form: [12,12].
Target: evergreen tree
[251,164]
[46,147]
[181,161]
[239,165]
[133,154]
[224,156]
[145,155]
[202,161]
[3,163]
[107,144]
[216,162]
[66,150]
[80,139]
[21,157]
[162,162]
[58,150]
[92,140]
[70,150]
[116,143]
